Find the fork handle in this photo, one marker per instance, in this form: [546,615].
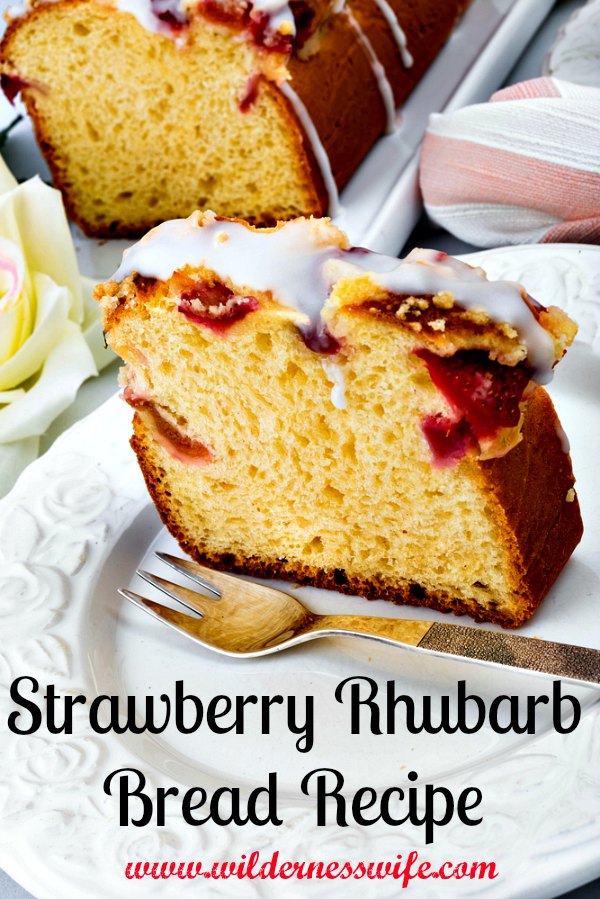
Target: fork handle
[579,664]
[410,633]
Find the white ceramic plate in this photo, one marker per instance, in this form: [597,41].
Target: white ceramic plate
[381,204]
[77,525]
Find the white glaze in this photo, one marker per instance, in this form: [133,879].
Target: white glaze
[143,12]
[279,13]
[385,88]
[335,374]
[289,262]
[300,262]
[318,149]
[281,18]
[399,35]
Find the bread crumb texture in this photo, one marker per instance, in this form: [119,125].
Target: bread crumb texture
[138,130]
[344,498]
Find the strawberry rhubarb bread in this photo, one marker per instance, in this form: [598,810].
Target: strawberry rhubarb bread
[340,418]
[149,109]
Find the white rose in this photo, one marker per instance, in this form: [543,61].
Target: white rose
[50,335]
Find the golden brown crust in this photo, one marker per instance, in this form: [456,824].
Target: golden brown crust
[444,330]
[318,202]
[532,487]
[412,594]
[35,96]
[348,112]
[426,27]
[57,165]
[526,487]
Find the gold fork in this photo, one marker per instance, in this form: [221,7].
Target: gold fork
[244,619]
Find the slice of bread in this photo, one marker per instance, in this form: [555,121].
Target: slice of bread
[207,105]
[339,418]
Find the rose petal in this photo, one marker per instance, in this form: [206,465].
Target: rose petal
[32,216]
[52,315]
[50,332]
[11,329]
[12,273]
[8,396]
[7,179]
[67,365]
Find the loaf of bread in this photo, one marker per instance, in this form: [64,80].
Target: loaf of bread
[262,109]
[340,418]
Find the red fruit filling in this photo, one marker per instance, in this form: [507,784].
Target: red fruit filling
[232,13]
[215,306]
[303,18]
[169,12]
[135,398]
[449,440]
[484,396]
[240,13]
[250,95]
[12,85]
[258,25]
[319,339]
[178,445]
[535,306]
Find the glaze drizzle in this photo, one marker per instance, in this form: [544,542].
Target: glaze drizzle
[300,262]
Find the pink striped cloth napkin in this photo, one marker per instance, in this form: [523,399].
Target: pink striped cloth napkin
[523,168]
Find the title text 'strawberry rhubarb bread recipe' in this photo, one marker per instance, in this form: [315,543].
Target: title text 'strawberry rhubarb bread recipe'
[262,109]
[322,413]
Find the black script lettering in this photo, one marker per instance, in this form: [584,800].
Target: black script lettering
[409,704]
[125,794]
[224,806]
[219,707]
[504,714]
[323,794]
[305,729]
[557,701]
[28,705]
[386,814]
[429,818]
[188,805]
[356,701]
[181,700]
[438,803]
[464,699]
[107,708]
[51,699]
[462,806]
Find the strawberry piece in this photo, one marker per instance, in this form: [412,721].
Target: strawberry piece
[319,339]
[448,439]
[250,94]
[259,26]
[12,85]
[215,306]
[303,18]
[170,13]
[485,393]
